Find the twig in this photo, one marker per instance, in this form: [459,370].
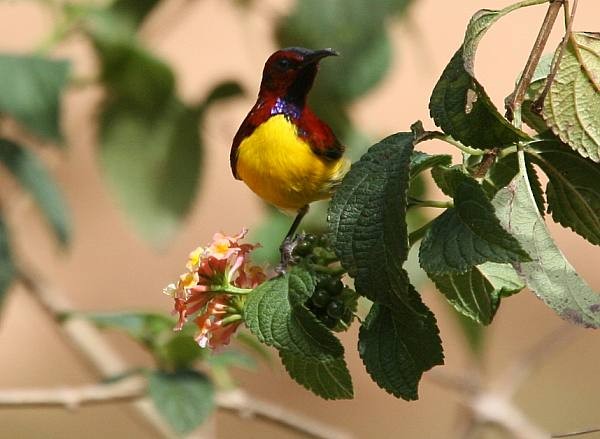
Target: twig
[539,102]
[576,433]
[240,403]
[514,101]
[237,402]
[73,397]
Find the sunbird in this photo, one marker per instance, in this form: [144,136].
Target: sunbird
[282,150]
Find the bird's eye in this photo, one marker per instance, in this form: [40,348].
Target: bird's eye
[284,63]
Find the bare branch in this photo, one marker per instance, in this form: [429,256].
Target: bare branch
[576,433]
[514,101]
[245,406]
[73,397]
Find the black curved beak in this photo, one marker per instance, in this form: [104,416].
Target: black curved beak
[316,55]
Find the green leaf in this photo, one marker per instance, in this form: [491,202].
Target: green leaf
[7,268]
[30,92]
[502,173]
[142,326]
[571,107]
[398,346]
[420,162]
[549,275]
[152,164]
[30,172]
[473,332]
[476,293]
[459,104]
[468,234]
[184,398]
[573,189]
[367,219]
[275,313]
[134,76]
[329,379]
[180,351]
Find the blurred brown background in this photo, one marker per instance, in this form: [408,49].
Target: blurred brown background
[109,267]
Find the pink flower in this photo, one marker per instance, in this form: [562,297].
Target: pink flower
[215,274]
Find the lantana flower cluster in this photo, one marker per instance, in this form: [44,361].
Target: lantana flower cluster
[212,290]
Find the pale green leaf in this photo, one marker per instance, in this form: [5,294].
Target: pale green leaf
[571,107]
[549,275]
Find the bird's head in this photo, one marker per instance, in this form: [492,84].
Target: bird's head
[290,72]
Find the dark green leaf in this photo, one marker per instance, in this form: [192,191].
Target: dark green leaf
[420,162]
[398,346]
[30,92]
[152,163]
[275,314]
[367,219]
[477,292]
[251,344]
[460,106]
[571,107]
[7,269]
[184,398]
[328,379]
[502,173]
[573,189]
[468,234]
[549,275]
[29,171]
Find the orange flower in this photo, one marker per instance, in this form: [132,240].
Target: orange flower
[217,277]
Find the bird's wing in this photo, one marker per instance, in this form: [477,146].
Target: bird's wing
[319,136]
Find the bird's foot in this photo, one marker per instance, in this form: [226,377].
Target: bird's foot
[286,250]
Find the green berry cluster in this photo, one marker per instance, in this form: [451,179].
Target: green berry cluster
[332,302]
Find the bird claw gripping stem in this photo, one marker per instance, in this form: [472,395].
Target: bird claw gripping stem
[286,251]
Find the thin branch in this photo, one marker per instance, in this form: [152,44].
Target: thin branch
[539,102]
[514,101]
[238,402]
[576,433]
[73,397]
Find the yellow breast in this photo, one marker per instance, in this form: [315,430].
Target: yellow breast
[281,168]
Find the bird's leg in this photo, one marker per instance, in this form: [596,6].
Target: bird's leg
[289,242]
